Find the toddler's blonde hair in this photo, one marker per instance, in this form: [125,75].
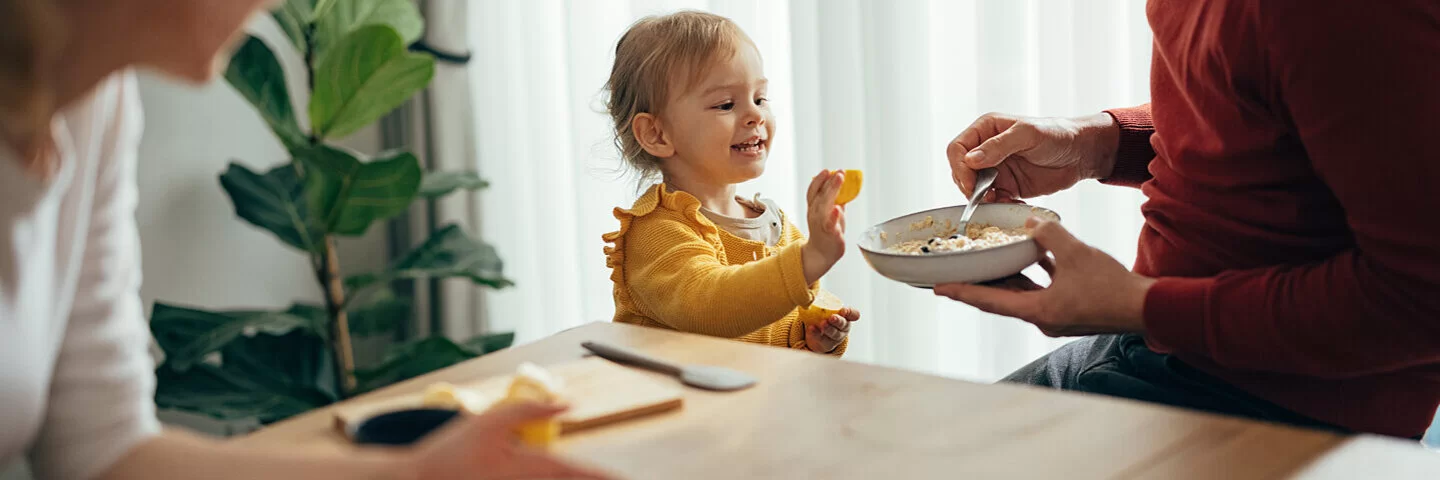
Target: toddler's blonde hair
[648,57]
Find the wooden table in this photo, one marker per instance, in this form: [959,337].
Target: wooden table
[817,417]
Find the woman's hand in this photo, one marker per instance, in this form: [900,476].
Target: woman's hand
[1036,156]
[1089,291]
[485,447]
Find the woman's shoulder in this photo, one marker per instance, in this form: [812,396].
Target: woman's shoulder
[111,109]
[102,127]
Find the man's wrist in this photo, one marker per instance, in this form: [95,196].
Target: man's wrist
[1100,139]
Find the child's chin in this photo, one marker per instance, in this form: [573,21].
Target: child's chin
[754,170]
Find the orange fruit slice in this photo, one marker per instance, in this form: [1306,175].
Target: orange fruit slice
[825,305]
[532,383]
[851,188]
[446,396]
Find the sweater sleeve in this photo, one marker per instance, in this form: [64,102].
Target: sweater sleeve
[1357,80]
[101,393]
[678,279]
[1133,155]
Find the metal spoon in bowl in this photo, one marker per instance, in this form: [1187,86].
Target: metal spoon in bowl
[984,179]
[701,376]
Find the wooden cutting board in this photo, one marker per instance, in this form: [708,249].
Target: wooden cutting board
[598,391]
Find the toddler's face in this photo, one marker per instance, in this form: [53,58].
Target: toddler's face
[722,125]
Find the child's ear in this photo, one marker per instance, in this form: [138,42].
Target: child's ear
[651,135]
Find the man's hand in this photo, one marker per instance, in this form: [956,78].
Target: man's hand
[1089,291]
[1036,156]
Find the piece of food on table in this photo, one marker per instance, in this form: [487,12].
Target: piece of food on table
[533,383]
[851,188]
[447,396]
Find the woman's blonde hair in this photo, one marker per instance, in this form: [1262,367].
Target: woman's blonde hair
[647,57]
[29,40]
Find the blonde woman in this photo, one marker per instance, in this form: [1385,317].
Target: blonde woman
[75,377]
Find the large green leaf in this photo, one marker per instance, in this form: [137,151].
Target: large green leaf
[213,391]
[270,371]
[275,202]
[448,252]
[187,335]
[315,313]
[412,359]
[380,314]
[255,73]
[423,356]
[295,17]
[335,20]
[364,76]
[322,7]
[493,342]
[297,363]
[439,184]
[361,280]
[346,195]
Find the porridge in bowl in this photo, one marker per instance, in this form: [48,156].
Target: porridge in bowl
[977,236]
[995,245]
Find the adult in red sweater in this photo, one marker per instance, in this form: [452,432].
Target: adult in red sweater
[1289,267]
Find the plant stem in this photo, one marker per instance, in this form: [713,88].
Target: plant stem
[330,278]
[328,266]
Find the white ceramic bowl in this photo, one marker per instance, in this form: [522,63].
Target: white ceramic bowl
[969,266]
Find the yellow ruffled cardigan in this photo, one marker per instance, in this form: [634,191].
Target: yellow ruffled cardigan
[675,269]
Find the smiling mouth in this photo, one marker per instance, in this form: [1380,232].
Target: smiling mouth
[753,146]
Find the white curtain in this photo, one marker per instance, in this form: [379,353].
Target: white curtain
[876,85]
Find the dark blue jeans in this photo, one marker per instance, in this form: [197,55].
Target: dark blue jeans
[1122,366]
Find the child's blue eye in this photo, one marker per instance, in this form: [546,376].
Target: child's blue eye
[727,106]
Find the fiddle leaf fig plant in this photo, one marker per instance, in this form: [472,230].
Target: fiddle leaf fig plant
[270,365]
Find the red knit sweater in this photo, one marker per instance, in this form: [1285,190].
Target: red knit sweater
[1292,168]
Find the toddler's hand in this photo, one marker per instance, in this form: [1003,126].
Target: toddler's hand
[826,337]
[827,225]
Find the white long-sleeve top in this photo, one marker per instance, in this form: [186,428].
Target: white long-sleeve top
[76,379]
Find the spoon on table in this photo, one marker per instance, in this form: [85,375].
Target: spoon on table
[984,179]
[700,376]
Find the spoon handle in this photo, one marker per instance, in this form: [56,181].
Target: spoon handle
[625,355]
[984,179]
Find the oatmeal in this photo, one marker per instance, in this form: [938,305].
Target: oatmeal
[977,236]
